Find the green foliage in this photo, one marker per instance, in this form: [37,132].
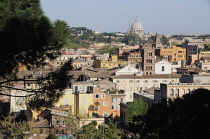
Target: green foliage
[26,35]
[108,49]
[51,87]
[71,45]
[173,43]
[164,40]
[12,129]
[131,39]
[136,108]
[186,117]
[151,39]
[51,136]
[207,46]
[104,131]
[93,123]
[97,103]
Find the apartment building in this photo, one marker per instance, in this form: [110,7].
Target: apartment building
[172,54]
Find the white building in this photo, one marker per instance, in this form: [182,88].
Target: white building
[18,103]
[163,67]
[132,84]
[127,70]
[174,66]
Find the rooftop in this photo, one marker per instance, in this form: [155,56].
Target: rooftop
[147,76]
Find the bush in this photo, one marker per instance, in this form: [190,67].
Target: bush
[51,136]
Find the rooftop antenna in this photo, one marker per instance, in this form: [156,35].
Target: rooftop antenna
[157,31]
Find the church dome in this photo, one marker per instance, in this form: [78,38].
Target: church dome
[136,25]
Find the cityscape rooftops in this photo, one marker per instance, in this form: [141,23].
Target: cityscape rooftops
[147,76]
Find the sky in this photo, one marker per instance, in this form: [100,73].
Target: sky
[162,16]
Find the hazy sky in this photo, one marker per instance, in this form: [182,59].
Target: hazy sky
[164,16]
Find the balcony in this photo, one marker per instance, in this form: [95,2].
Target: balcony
[115,92]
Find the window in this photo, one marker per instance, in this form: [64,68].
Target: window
[165,81]
[63,131]
[76,89]
[177,93]
[137,81]
[131,96]
[97,96]
[66,102]
[163,68]
[57,122]
[149,61]
[121,99]
[63,124]
[105,103]
[131,88]
[188,91]
[130,81]
[96,108]
[117,81]
[171,92]
[83,102]
[41,131]
[56,131]
[89,89]
[83,111]
[145,81]
[105,114]
[102,96]
[155,81]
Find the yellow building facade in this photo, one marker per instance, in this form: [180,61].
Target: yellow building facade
[173,54]
[109,64]
[77,104]
[67,101]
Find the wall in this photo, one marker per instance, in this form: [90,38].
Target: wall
[162,67]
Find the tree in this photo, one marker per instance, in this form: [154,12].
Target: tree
[131,39]
[27,36]
[207,46]
[135,113]
[51,87]
[186,117]
[103,131]
[108,49]
[13,129]
[136,108]
[51,136]
[164,40]
[111,131]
